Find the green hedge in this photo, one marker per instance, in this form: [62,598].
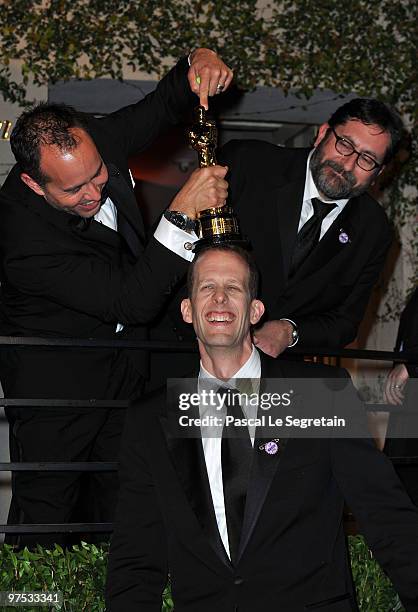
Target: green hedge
[80,575]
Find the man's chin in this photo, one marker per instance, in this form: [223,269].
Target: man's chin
[335,188]
[88,211]
[221,339]
[329,178]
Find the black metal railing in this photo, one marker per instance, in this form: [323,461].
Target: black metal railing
[110,466]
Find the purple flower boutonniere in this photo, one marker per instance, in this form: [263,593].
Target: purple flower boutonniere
[343,237]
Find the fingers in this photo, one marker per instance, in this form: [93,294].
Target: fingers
[392,397]
[208,75]
[266,347]
[388,396]
[396,395]
[219,171]
[388,390]
[195,82]
[215,80]
[228,79]
[271,338]
[214,188]
[393,390]
[205,188]
[395,384]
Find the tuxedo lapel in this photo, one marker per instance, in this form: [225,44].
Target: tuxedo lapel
[188,458]
[289,198]
[124,199]
[89,229]
[289,205]
[129,235]
[263,469]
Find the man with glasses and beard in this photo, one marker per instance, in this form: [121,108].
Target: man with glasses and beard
[319,240]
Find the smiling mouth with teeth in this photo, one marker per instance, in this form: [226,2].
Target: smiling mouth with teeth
[220,317]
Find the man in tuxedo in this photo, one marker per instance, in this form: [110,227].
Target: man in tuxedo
[75,263]
[240,523]
[319,240]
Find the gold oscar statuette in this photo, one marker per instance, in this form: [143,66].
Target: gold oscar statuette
[216,225]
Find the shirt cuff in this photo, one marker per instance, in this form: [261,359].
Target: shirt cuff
[175,239]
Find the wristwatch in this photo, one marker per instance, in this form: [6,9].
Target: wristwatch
[295,332]
[180,220]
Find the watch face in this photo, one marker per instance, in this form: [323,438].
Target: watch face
[177,218]
[180,221]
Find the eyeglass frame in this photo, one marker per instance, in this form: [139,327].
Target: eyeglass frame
[359,154]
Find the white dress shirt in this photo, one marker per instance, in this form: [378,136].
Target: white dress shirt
[212,445]
[310,192]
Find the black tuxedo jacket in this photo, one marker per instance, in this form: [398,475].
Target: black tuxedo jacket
[63,277]
[328,295]
[293,553]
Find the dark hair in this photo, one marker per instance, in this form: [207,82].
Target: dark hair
[229,248]
[371,112]
[45,124]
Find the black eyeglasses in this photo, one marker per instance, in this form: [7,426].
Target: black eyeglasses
[363,161]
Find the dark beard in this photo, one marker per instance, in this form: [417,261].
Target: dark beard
[333,186]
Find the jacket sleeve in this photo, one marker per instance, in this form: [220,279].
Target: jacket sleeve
[135,127]
[137,566]
[130,293]
[338,326]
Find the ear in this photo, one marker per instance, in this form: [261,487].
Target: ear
[28,180]
[321,133]
[256,311]
[380,171]
[186,310]
[377,174]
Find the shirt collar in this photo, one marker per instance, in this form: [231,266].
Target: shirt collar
[250,369]
[311,190]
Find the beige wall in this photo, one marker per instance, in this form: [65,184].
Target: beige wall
[9,111]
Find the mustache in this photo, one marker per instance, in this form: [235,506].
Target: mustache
[345,174]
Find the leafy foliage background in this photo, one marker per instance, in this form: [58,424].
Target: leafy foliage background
[363,46]
[80,575]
